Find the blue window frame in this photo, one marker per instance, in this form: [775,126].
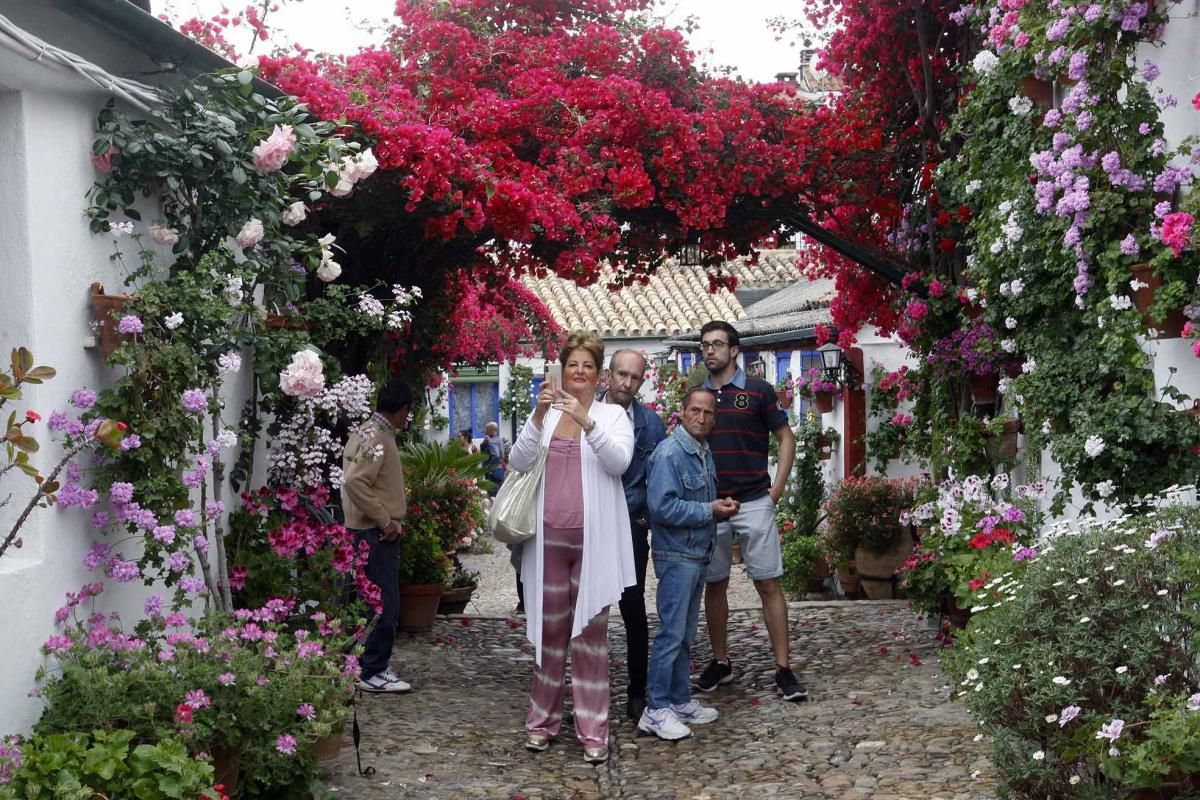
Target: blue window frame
[782,360]
[536,390]
[808,360]
[474,405]
[686,360]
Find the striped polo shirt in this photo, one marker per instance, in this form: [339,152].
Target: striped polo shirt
[747,412]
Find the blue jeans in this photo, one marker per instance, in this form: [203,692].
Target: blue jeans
[383,569]
[680,587]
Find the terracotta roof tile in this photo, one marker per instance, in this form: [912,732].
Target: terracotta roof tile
[674,300]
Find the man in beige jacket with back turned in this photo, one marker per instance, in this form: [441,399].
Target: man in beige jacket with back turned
[374,505]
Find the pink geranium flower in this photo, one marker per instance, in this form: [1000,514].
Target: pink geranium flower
[1176,231]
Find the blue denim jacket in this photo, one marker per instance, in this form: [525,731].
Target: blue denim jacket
[682,488]
[648,431]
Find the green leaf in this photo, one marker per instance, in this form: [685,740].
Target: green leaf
[245,77]
[224,147]
[41,373]
[238,174]
[26,443]
[133,214]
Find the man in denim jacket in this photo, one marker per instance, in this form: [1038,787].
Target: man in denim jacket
[684,509]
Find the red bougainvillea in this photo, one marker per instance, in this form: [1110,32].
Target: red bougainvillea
[567,133]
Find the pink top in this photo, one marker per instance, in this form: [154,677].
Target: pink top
[564,485]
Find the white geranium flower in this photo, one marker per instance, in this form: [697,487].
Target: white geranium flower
[1029,366]
[1105,488]
[1010,323]
[974,186]
[1020,105]
[985,61]
[1120,302]
[1016,286]
[1094,446]
[173,321]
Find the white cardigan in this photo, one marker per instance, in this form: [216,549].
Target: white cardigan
[607,542]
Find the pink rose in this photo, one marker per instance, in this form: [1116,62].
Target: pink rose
[103,162]
[251,233]
[304,377]
[294,214]
[161,234]
[272,152]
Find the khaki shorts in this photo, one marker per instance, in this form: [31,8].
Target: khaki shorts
[755,527]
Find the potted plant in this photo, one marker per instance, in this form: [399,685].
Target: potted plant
[459,587]
[976,529]
[424,567]
[253,690]
[814,388]
[105,308]
[863,519]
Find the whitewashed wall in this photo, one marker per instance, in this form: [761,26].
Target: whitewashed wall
[47,125]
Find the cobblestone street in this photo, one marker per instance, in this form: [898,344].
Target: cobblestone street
[880,724]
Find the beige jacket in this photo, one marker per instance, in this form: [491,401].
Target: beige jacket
[372,480]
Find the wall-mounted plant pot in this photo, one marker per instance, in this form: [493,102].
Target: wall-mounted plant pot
[285,322]
[1143,299]
[105,309]
[824,448]
[1003,446]
[984,388]
[823,402]
[1039,91]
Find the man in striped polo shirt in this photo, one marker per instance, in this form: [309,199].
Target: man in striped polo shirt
[748,412]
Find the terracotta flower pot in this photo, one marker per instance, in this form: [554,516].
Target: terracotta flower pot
[328,747]
[1039,91]
[418,606]
[1143,298]
[227,767]
[848,578]
[285,322]
[984,388]
[877,571]
[105,307]
[823,402]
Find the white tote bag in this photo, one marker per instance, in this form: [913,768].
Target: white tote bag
[513,517]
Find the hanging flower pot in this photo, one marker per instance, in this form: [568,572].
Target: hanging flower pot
[105,307]
[984,388]
[1039,91]
[785,400]
[823,401]
[1148,282]
[285,322]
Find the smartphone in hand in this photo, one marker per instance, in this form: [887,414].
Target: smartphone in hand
[554,375]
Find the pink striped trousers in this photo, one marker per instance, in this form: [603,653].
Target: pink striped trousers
[562,559]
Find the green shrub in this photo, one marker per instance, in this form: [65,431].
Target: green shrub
[803,556]
[1097,634]
[107,764]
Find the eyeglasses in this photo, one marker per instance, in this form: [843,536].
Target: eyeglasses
[716,344]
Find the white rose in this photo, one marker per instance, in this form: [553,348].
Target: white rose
[294,214]
[251,233]
[161,234]
[329,270]
[344,185]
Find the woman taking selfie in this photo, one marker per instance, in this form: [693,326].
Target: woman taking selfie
[581,558]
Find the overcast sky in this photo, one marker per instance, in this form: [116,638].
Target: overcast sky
[735,30]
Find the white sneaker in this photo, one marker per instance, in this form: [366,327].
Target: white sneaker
[663,723]
[391,677]
[692,713]
[379,684]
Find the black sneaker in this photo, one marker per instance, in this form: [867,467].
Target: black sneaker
[715,674]
[635,706]
[789,687]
